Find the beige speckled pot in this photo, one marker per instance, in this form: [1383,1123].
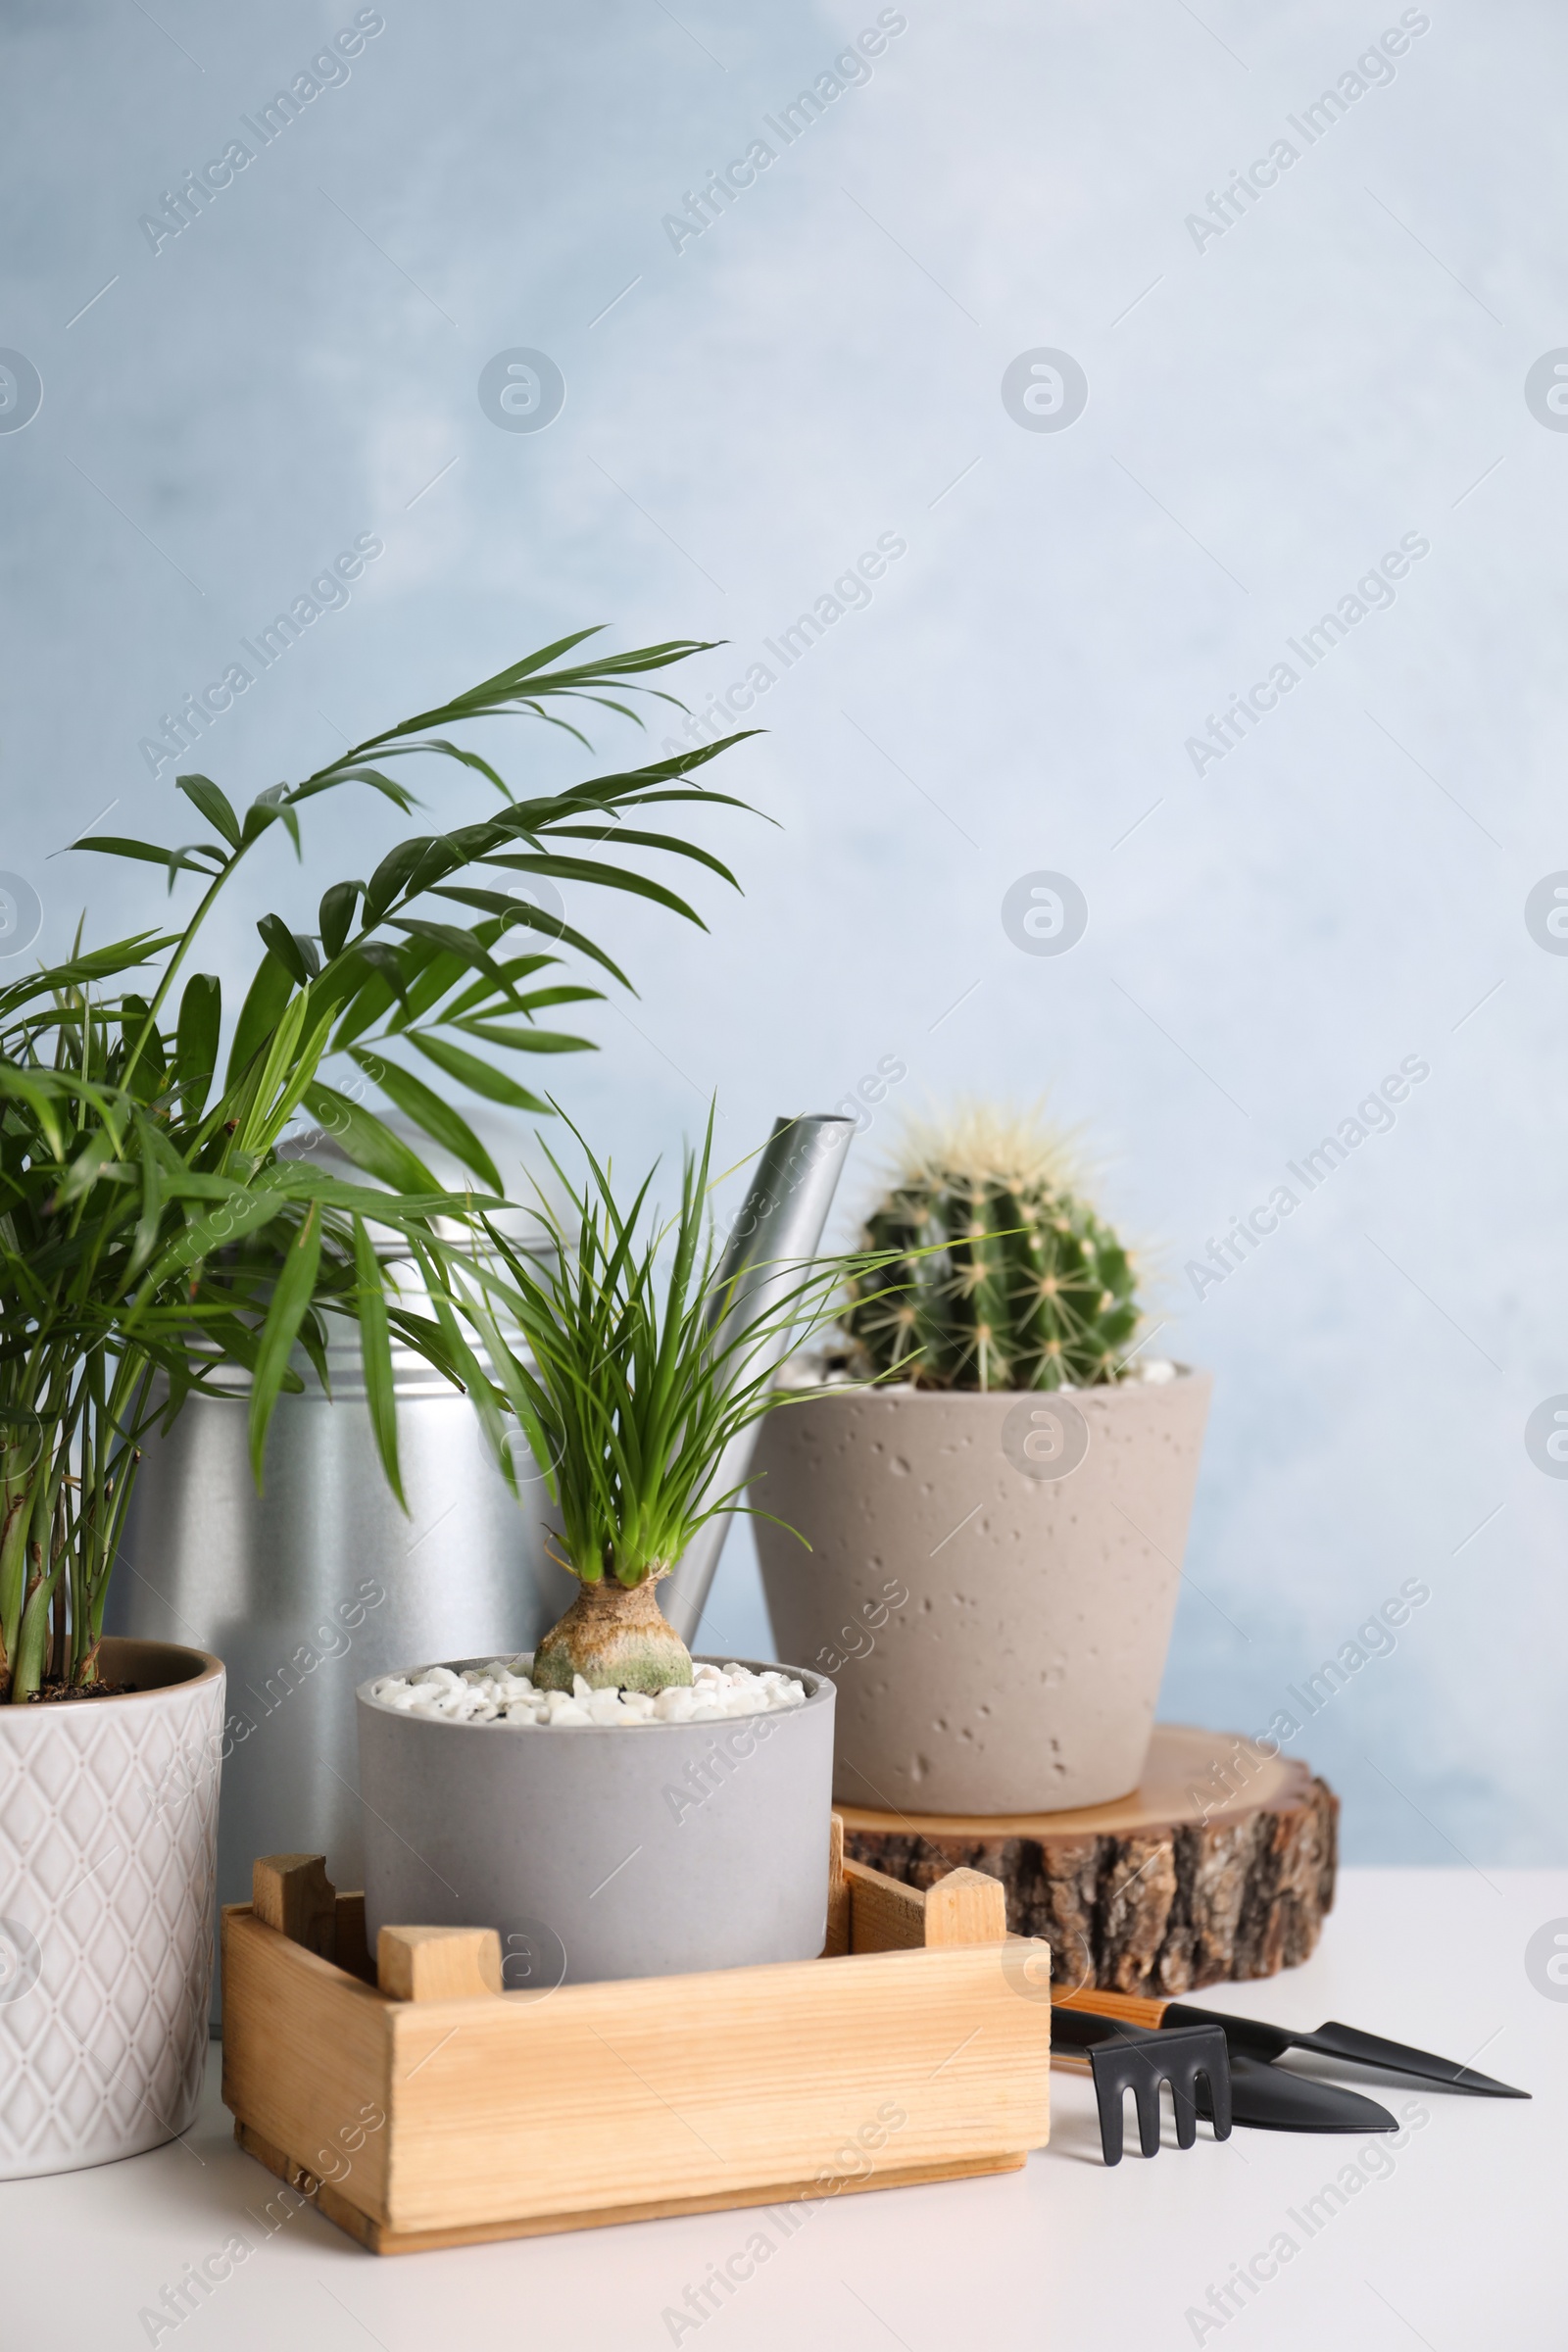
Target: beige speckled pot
[1038,1540]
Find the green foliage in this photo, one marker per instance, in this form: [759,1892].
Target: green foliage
[625,1403]
[152,1233]
[1023,1284]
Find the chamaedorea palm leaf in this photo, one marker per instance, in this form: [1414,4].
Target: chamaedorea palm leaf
[152,1232]
[382,961]
[603,1350]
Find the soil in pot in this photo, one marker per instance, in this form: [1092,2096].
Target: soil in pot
[50,1693]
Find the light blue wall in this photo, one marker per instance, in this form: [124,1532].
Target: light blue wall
[1267,415]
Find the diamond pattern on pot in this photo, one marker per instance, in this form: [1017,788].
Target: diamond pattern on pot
[107,1834]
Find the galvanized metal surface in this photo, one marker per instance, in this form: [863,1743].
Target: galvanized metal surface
[320,1582]
[775,1235]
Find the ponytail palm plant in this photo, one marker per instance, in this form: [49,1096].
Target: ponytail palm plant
[152,1234]
[626,1397]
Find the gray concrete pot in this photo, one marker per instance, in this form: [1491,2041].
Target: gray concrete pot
[110,1814]
[992,1581]
[603,1853]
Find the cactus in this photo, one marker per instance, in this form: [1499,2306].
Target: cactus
[1026,1288]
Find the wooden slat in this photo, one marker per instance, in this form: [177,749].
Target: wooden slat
[378,2239]
[838,1894]
[965,1907]
[293,1893]
[885,1916]
[352,1952]
[307,2055]
[712,2086]
[437,1964]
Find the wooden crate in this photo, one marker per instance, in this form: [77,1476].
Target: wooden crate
[422,2106]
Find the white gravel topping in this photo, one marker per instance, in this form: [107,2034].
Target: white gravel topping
[502,1693]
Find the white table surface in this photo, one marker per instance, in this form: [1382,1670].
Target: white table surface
[1457,2244]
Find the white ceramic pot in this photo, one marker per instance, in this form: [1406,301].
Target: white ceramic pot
[991,1583]
[108,1842]
[603,1852]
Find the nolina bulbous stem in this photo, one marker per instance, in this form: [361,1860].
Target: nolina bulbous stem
[616,1637]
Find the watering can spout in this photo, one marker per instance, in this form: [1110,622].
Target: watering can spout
[775,1234]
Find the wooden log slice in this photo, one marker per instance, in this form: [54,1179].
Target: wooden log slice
[1221,1865]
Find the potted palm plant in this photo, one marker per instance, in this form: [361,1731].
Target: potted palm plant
[612,1806]
[153,1237]
[330,1574]
[996,1538]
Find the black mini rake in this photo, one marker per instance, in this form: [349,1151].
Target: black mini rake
[1124,2058]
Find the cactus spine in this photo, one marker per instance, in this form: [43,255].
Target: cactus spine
[1025,1287]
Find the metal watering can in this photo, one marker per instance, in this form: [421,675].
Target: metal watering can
[320,1582]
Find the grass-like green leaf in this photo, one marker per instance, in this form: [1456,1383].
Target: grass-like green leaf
[337,915]
[297,956]
[157,1232]
[432,1115]
[556,868]
[213,805]
[368,1141]
[606,1353]
[238,1218]
[469,1070]
[518,913]
[143,1072]
[292,1293]
[376,1355]
[189,861]
[391,879]
[523,1041]
[269,993]
[630,837]
[200,1016]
